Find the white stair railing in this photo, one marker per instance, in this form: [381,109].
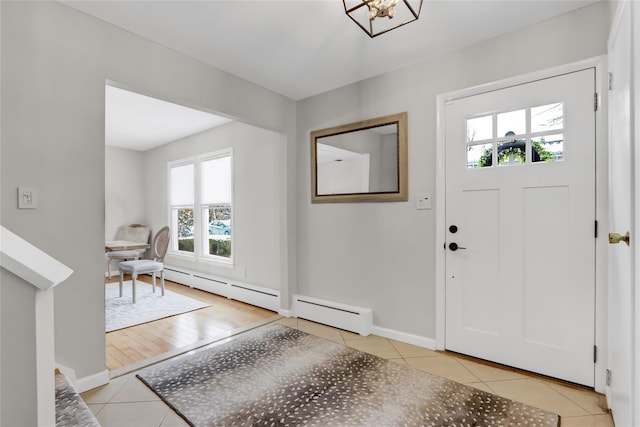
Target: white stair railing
[44,272]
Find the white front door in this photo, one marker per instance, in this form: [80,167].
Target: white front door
[520,216]
[621,199]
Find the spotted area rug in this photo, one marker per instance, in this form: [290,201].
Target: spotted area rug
[279,376]
[121,312]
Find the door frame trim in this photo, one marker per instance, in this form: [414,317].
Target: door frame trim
[601,272]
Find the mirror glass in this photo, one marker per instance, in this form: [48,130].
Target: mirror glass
[363,161]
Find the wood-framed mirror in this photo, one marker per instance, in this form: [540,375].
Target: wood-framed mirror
[364,161]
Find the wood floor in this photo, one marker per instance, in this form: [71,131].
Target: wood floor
[138,343]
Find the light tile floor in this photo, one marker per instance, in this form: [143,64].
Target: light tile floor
[127,402]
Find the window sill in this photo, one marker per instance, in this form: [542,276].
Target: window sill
[181,255]
[186,256]
[217,262]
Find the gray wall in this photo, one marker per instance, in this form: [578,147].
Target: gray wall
[256,210]
[382,255]
[18,344]
[55,62]
[124,189]
[136,192]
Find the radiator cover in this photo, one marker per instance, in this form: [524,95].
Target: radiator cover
[343,316]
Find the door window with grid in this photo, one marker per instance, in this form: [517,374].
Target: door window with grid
[528,135]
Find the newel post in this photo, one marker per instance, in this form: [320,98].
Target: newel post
[43,272]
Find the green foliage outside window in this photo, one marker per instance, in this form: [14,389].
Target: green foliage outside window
[518,153]
[220,247]
[185,223]
[216,247]
[185,245]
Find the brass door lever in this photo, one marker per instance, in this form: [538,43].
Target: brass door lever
[617,238]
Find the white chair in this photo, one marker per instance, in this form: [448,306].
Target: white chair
[131,233]
[148,266]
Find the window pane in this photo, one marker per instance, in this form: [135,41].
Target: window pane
[547,117]
[181,185]
[480,128]
[479,156]
[184,219]
[219,231]
[511,152]
[216,180]
[548,148]
[512,123]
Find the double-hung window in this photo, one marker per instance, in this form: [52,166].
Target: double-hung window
[200,203]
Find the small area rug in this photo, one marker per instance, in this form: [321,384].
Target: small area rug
[278,376]
[122,313]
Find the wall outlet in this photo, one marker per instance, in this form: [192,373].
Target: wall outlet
[27,198]
[423,201]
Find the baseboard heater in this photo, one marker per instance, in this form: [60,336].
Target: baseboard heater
[347,317]
[239,291]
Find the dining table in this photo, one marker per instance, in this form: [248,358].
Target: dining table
[123,245]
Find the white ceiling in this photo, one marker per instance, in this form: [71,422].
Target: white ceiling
[138,122]
[300,48]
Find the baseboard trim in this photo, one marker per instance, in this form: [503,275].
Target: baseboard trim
[92,381]
[348,317]
[428,343]
[229,288]
[285,313]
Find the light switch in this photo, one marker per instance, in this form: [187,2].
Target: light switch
[27,198]
[423,201]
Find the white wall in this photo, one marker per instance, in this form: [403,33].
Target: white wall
[55,62]
[256,196]
[124,189]
[382,255]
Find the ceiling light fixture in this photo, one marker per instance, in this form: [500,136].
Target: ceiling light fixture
[370,14]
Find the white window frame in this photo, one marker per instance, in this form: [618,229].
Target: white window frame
[173,243]
[200,223]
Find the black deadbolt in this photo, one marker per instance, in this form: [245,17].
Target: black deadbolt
[453,228]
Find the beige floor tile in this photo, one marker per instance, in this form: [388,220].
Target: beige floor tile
[603,420]
[139,414]
[409,350]
[134,391]
[443,366]
[96,407]
[480,386]
[368,338]
[490,373]
[536,393]
[379,347]
[173,420]
[105,393]
[400,361]
[346,335]
[319,330]
[291,322]
[592,402]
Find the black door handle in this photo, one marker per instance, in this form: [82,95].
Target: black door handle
[454,246]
